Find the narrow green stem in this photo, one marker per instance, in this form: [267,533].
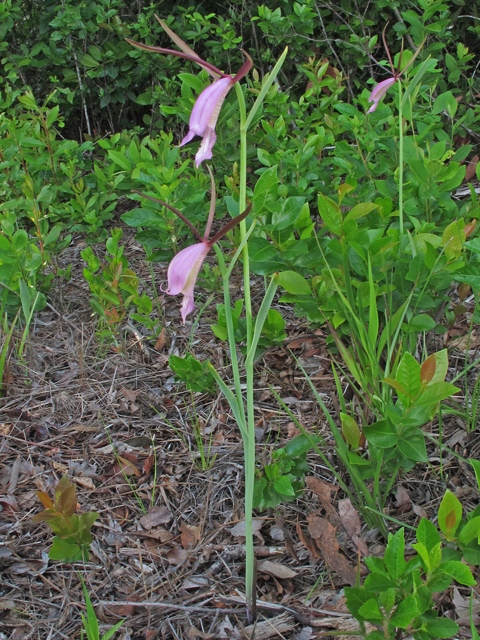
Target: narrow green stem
[249,441]
[400,149]
[242,207]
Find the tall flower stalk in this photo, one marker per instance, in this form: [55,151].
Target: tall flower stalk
[377,94]
[202,122]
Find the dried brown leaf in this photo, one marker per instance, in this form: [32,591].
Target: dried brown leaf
[276,569]
[126,465]
[160,343]
[351,522]
[177,555]
[402,497]
[156,515]
[323,490]
[129,394]
[324,534]
[189,535]
[239,529]
[471,168]
[308,542]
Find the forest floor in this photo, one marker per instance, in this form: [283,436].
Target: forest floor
[168,552]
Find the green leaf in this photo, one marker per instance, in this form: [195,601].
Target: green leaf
[350,430]
[459,572]
[405,612]
[382,434]
[91,624]
[453,239]
[475,635]
[422,322]
[284,486]
[293,282]
[470,531]
[394,554]
[356,598]
[441,628]
[435,393]
[52,115]
[408,375]
[413,446]
[360,210]
[330,213]
[445,102]
[114,629]
[300,444]
[120,159]
[427,534]
[19,240]
[476,467]
[371,611]
[265,188]
[449,514]
[65,551]
[424,555]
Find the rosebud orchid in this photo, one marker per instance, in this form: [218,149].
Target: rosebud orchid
[183,270]
[382,87]
[207,107]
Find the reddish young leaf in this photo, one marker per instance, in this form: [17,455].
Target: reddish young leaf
[427,370]
[45,499]
[450,520]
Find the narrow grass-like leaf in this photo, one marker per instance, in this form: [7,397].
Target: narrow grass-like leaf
[416,79]
[238,413]
[268,81]
[261,317]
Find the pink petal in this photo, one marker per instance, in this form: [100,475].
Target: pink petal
[188,305]
[379,91]
[183,272]
[205,150]
[207,104]
[181,266]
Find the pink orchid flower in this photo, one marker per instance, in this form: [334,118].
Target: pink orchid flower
[207,107]
[382,87]
[183,270]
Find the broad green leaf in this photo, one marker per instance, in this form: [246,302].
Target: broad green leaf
[394,554]
[382,434]
[424,555]
[413,446]
[427,534]
[449,514]
[370,610]
[445,102]
[453,239]
[441,358]
[330,213]
[120,159]
[300,444]
[441,627]
[408,375]
[459,572]
[405,612]
[422,322]
[265,188]
[65,551]
[350,430]
[284,486]
[435,393]
[293,282]
[360,210]
[470,531]
[19,240]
